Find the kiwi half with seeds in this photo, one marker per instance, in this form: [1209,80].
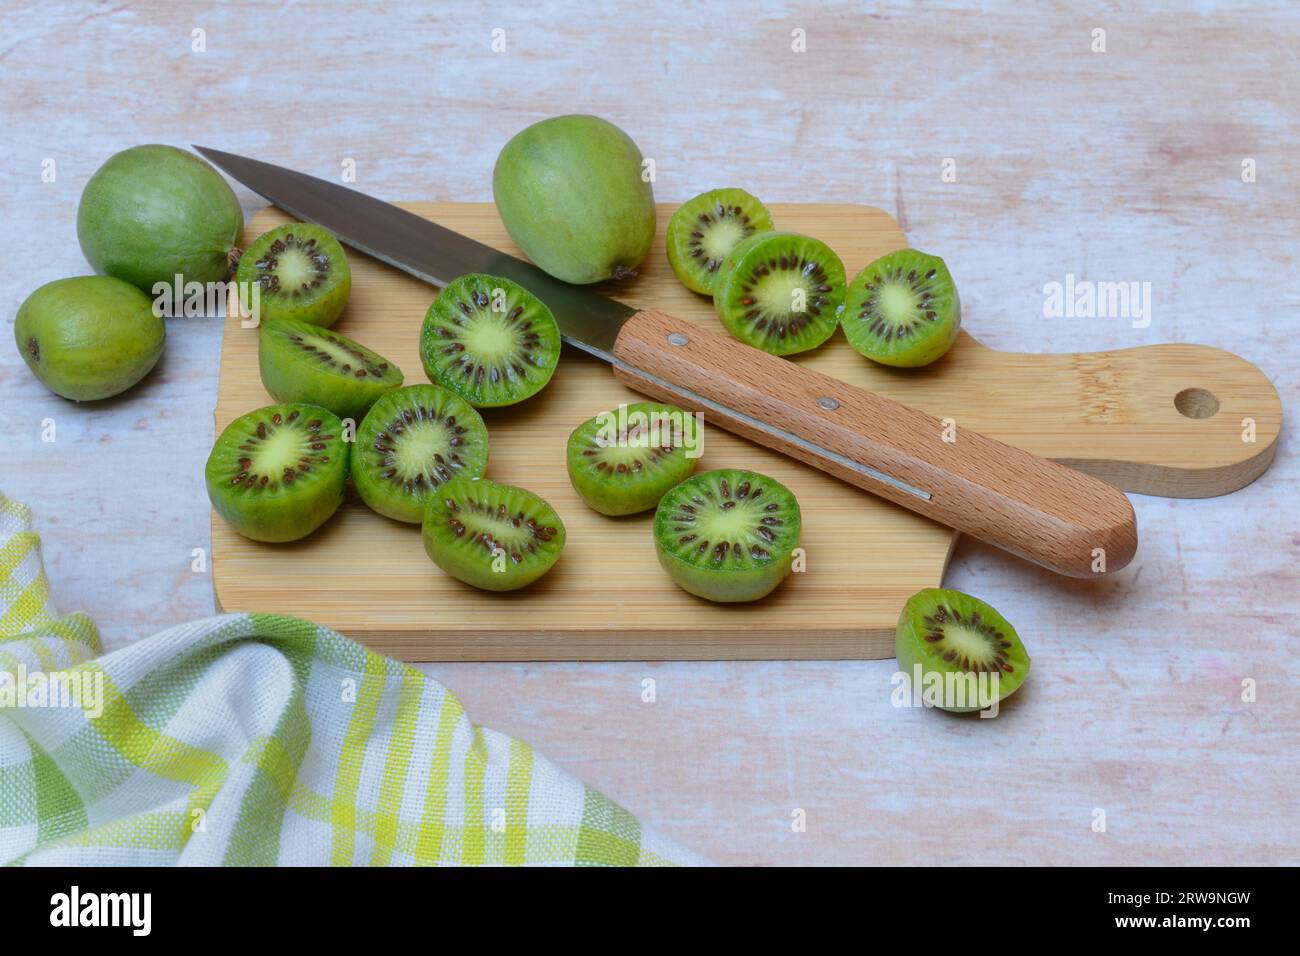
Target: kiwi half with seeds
[780,292]
[412,440]
[492,536]
[704,230]
[489,340]
[301,272]
[278,473]
[622,462]
[903,309]
[302,362]
[962,644]
[727,535]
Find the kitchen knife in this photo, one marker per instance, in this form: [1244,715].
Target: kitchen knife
[1049,514]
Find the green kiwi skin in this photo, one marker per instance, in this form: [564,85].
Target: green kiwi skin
[385,496]
[154,212]
[912,649]
[727,585]
[573,194]
[464,559]
[752,251]
[326,303]
[279,513]
[685,221]
[291,375]
[89,337]
[443,316]
[614,493]
[920,352]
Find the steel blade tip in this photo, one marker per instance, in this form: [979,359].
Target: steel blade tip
[215,156]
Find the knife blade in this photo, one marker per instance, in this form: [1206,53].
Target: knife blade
[425,249]
[1061,519]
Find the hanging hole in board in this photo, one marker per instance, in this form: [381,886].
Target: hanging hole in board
[1196,403]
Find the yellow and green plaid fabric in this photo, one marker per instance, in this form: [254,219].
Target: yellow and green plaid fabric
[250,739]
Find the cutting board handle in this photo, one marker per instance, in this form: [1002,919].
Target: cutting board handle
[1052,515]
[1174,419]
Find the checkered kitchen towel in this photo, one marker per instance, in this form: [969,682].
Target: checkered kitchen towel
[258,740]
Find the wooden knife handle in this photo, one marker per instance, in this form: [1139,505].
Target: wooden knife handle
[1049,514]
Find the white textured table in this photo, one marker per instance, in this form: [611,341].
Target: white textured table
[1117,165]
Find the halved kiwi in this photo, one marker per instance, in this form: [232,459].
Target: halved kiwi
[902,309]
[704,230]
[301,273]
[495,537]
[302,362]
[412,440]
[278,473]
[622,461]
[489,340]
[959,641]
[780,292]
[727,535]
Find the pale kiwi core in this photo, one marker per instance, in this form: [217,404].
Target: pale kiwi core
[777,292]
[898,304]
[294,268]
[721,237]
[423,441]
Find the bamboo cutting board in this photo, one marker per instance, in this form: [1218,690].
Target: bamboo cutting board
[1162,419]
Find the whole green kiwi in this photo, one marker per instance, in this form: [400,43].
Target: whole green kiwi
[572,194]
[151,213]
[89,337]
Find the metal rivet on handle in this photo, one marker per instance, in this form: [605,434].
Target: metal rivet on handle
[828,403]
[677,338]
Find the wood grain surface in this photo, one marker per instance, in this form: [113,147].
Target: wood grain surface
[997,137]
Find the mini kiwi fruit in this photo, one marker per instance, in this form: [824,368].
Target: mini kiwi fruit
[278,473]
[727,535]
[489,340]
[704,230]
[154,213]
[573,193]
[411,441]
[955,639]
[89,337]
[302,362]
[300,271]
[621,462]
[492,536]
[780,292]
[902,309]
